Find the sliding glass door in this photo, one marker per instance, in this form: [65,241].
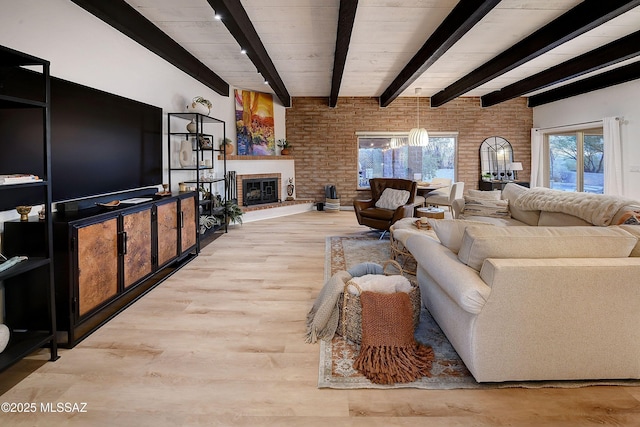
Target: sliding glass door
[576,161]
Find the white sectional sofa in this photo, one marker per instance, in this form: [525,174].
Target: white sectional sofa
[520,302]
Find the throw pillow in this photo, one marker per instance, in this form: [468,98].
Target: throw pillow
[492,195]
[629,215]
[450,231]
[392,199]
[484,207]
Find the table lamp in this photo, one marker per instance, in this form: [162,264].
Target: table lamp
[515,167]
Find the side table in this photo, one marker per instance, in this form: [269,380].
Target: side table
[436,213]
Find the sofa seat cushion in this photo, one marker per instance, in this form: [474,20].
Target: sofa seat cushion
[502,222]
[559,219]
[480,243]
[462,284]
[377,213]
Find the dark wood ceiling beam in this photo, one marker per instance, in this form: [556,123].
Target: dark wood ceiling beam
[617,51]
[462,18]
[346,18]
[584,17]
[237,21]
[606,79]
[131,23]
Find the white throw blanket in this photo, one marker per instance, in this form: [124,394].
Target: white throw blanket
[379,283]
[598,209]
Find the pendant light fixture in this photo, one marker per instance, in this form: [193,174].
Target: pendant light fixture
[418,137]
[396,142]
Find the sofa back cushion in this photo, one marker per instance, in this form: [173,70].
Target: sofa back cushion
[492,195]
[484,207]
[635,230]
[511,192]
[480,243]
[450,231]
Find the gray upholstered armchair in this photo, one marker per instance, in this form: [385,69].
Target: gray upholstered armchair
[380,218]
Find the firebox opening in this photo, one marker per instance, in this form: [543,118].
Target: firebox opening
[259,191]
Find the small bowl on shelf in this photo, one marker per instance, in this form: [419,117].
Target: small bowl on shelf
[109,205]
[24,212]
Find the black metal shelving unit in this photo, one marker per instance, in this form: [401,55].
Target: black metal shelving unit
[29,294]
[206,128]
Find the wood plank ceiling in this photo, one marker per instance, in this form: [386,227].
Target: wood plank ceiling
[498,50]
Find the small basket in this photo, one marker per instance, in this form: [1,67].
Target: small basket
[350,320]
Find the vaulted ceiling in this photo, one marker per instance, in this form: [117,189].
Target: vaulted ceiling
[498,50]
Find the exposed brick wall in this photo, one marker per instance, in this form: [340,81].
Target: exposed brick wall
[325,144]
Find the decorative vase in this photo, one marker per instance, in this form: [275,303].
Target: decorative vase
[228,148]
[290,188]
[285,152]
[186,154]
[192,127]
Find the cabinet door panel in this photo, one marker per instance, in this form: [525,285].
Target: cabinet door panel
[97,264]
[167,214]
[137,259]
[188,208]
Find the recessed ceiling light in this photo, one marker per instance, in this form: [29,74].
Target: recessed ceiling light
[217,17]
[266,82]
[243,51]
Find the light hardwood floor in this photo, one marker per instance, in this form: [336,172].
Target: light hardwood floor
[221,343]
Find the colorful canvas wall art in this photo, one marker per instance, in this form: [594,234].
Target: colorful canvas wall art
[254,123]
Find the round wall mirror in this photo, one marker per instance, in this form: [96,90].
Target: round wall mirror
[495,156]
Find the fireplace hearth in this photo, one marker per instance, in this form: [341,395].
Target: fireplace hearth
[258,191]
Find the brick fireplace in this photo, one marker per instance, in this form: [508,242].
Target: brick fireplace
[266,189]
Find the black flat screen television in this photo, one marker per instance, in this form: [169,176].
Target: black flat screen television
[101,142]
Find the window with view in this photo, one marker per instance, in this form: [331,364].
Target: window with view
[389,156]
[576,161]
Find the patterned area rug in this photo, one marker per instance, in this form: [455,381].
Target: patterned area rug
[448,372]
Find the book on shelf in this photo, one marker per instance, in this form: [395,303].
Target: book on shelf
[18,178]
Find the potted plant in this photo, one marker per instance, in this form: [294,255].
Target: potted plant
[226,145]
[233,211]
[205,194]
[285,147]
[200,105]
